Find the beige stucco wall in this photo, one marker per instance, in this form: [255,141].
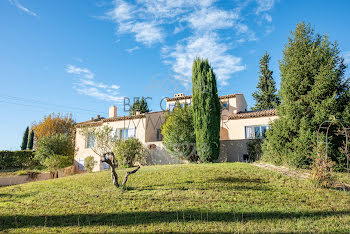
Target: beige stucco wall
[82,152]
[153,122]
[235,104]
[236,127]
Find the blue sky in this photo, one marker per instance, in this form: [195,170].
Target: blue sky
[82,56]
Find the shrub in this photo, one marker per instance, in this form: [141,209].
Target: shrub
[254,149]
[47,146]
[129,151]
[17,159]
[178,133]
[55,162]
[89,163]
[322,168]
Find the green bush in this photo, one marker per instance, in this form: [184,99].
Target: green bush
[178,133]
[89,163]
[129,151]
[47,146]
[55,162]
[254,149]
[17,159]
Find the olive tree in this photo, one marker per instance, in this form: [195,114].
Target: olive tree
[105,141]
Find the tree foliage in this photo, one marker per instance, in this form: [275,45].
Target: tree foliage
[54,124]
[25,139]
[89,163]
[206,111]
[55,162]
[265,97]
[313,89]
[128,152]
[31,140]
[178,133]
[48,146]
[140,105]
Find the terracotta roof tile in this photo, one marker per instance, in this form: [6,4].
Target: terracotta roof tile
[99,122]
[253,114]
[190,96]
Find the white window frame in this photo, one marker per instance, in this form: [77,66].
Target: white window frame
[89,144]
[251,130]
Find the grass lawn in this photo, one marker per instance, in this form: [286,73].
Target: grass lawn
[225,197]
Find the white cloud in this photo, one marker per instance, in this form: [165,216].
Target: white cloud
[79,71]
[206,46]
[132,49]
[21,7]
[264,5]
[346,56]
[267,17]
[87,86]
[211,19]
[210,30]
[147,33]
[96,93]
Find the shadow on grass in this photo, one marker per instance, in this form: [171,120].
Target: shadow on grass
[135,218]
[239,180]
[226,183]
[11,197]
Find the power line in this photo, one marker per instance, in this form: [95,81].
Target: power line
[13,98]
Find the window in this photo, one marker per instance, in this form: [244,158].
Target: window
[224,105]
[105,166]
[171,107]
[81,164]
[125,133]
[159,134]
[90,141]
[255,132]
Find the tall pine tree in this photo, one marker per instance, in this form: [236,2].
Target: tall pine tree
[206,111]
[31,140]
[265,97]
[140,105]
[25,139]
[313,89]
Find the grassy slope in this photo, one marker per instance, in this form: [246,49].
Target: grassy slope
[231,197]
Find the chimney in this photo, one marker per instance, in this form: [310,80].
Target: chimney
[112,111]
[138,112]
[98,117]
[179,95]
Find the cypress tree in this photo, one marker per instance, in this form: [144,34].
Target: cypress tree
[206,111]
[31,140]
[265,97]
[313,89]
[25,139]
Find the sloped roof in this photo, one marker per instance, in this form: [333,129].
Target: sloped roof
[190,96]
[253,114]
[99,122]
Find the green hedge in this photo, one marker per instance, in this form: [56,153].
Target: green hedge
[17,159]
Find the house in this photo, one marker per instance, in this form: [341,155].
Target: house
[237,126]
